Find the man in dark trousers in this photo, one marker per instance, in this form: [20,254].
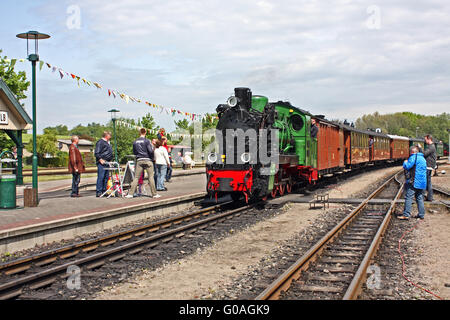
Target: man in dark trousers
[430,157]
[103,154]
[143,150]
[76,166]
[314,128]
[416,181]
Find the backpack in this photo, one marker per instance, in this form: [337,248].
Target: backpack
[411,173]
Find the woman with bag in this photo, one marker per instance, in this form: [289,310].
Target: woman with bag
[162,161]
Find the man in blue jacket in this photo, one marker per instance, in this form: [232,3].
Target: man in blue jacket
[103,154]
[416,183]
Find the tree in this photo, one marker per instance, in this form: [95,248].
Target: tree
[148,122]
[125,138]
[93,130]
[5,142]
[18,84]
[45,144]
[209,121]
[60,130]
[407,123]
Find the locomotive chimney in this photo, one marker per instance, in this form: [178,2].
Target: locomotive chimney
[245,97]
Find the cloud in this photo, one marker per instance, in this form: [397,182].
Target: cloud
[320,55]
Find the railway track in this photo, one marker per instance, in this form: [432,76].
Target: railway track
[43,269]
[336,266]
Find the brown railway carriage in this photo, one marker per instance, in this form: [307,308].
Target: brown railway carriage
[363,146]
[381,146]
[399,147]
[359,146]
[328,146]
[340,146]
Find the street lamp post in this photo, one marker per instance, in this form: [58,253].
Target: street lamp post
[34,58]
[114,118]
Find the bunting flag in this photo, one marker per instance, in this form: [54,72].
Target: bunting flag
[173,135]
[127,98]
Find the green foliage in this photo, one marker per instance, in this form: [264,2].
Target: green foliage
[92,130]
[5,142]
[148,122]
[60,130]
[61,159]
[208,122]
[18,85]
[17,82]
[406,124]
[45,144]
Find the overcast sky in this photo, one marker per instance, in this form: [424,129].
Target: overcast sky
[338,58]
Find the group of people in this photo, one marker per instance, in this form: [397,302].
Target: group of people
[418,171]
[151,156]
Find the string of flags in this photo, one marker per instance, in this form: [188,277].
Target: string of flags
[173,135]
[113,92]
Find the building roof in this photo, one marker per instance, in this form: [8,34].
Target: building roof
[11,97]
[81,142]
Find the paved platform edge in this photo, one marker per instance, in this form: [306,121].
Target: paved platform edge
[25,237]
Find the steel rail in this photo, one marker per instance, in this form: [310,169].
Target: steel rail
[283,282]
[50,256]
[441,191]
[354,288]
[14,288]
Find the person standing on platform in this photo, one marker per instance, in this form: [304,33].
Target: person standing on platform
[161,133]
[76,166]
[430,157]
[154,163]
[169,167]
[103,154]
[416,181]
[162,161]
[143,150]
[169,172]
[314,129]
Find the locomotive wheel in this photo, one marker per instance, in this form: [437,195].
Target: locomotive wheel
[274,192]
[288,187]
[281,189]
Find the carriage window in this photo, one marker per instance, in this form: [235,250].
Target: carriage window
[297,122]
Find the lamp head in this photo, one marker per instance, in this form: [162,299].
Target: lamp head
[114,114]
[33,36]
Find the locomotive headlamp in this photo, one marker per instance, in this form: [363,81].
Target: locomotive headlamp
[212,157]
[245,157]
[232,101]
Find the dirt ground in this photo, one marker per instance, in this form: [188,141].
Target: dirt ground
[432,242]
[201,274]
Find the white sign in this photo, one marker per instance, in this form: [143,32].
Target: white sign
[3,117]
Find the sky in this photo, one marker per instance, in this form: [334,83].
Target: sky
[341,58]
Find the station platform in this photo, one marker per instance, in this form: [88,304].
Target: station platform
[59,216]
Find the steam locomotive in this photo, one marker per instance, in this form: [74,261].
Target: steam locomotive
[264,148]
